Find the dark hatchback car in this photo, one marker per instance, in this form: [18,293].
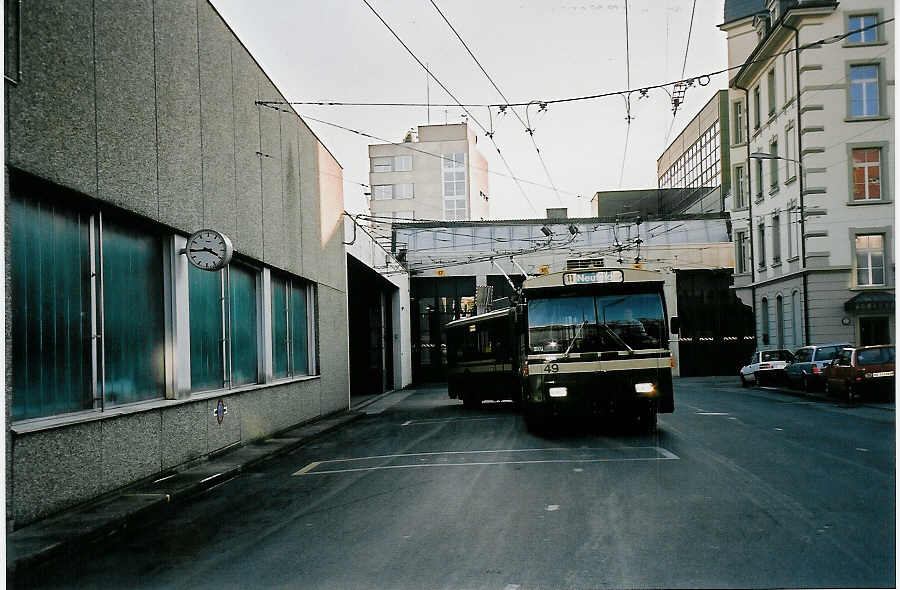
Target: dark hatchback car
[867,371]
[807,370]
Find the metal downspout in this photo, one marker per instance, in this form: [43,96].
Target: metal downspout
[802,171]
[749,203]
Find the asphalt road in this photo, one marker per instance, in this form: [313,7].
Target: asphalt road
[737,488]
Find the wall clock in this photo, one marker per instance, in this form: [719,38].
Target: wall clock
[208,249]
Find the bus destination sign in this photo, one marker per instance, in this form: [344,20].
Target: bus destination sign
[593,278]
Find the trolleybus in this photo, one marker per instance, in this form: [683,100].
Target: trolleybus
[596,340]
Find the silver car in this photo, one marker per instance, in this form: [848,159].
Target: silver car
[807,370]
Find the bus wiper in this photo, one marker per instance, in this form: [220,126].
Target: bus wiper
[577,336]
[615,336]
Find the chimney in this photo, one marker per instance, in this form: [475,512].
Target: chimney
[557,213]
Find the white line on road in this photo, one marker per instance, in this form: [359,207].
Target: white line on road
[480,463]
[712,413]
[436,421]
[665,455]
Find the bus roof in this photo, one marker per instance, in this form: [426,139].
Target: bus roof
[497,313]
[593,276]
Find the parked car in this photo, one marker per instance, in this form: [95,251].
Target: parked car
[765,366]
[809,362]
[867,370]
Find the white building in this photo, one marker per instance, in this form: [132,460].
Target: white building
[812,165]
[435,173]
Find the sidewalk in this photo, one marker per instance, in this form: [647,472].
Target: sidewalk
[73,529]
[783,389]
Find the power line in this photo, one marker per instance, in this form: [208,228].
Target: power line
[702,79]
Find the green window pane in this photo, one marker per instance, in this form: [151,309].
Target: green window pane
[133,315]
[207,368]
[244,349]
[299,348]
[279,328]
[51,312]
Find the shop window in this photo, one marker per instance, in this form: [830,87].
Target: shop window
[290,328]
[133,315]
[243,325]
[207,329]
[51,282]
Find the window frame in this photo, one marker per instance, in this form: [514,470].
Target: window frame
[741,200]
[757,95]
[773,166]
[884,182]
[887,261]
[776,239]
[878,13]
[771,91]
[738,111]
[761,238]
[879,65]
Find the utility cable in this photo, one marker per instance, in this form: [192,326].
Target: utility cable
[698,78]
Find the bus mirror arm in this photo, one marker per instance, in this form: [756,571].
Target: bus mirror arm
[674,324]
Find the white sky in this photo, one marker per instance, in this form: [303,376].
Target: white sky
[534,50]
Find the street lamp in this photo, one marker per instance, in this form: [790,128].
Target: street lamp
[767,156]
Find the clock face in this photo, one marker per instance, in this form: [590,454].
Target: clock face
[209,249]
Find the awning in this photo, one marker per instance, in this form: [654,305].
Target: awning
[870,301]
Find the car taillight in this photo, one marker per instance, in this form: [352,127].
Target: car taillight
[816,369]
[860,374]
[765,366]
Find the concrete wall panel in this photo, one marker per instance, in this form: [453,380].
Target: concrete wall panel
[217,115]
[330,221]
[183,434]
[248,234]
[334,342]
[130,448]
[52,128]
[55,469]
[290,171]
[272,179]
[178,114]
[311,232]
[126,130]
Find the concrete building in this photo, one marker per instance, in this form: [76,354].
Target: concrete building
[813,163]
[128,127]
[435,173]
[698,159]
[448,261]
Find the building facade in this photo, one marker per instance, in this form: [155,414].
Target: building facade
[435,173]
[128,128]
[698,159]
[813,166]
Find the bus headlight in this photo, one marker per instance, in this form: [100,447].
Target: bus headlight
[644,388]
[558,392]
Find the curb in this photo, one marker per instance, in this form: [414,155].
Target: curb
[75,529]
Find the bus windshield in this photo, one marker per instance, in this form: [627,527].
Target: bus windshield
[596,323]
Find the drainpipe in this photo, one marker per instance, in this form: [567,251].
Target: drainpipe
[801,182]
[749,202]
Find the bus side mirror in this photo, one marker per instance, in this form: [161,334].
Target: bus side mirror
[674,324]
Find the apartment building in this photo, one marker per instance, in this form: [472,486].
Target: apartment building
[812,167]
[435,173]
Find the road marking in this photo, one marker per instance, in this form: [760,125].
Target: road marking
[309,467]
[512,587]
[712,413]
[662,455]
[578,470]
[552,507]
[782,429]
[438,421]
[209,478]
[862,450]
